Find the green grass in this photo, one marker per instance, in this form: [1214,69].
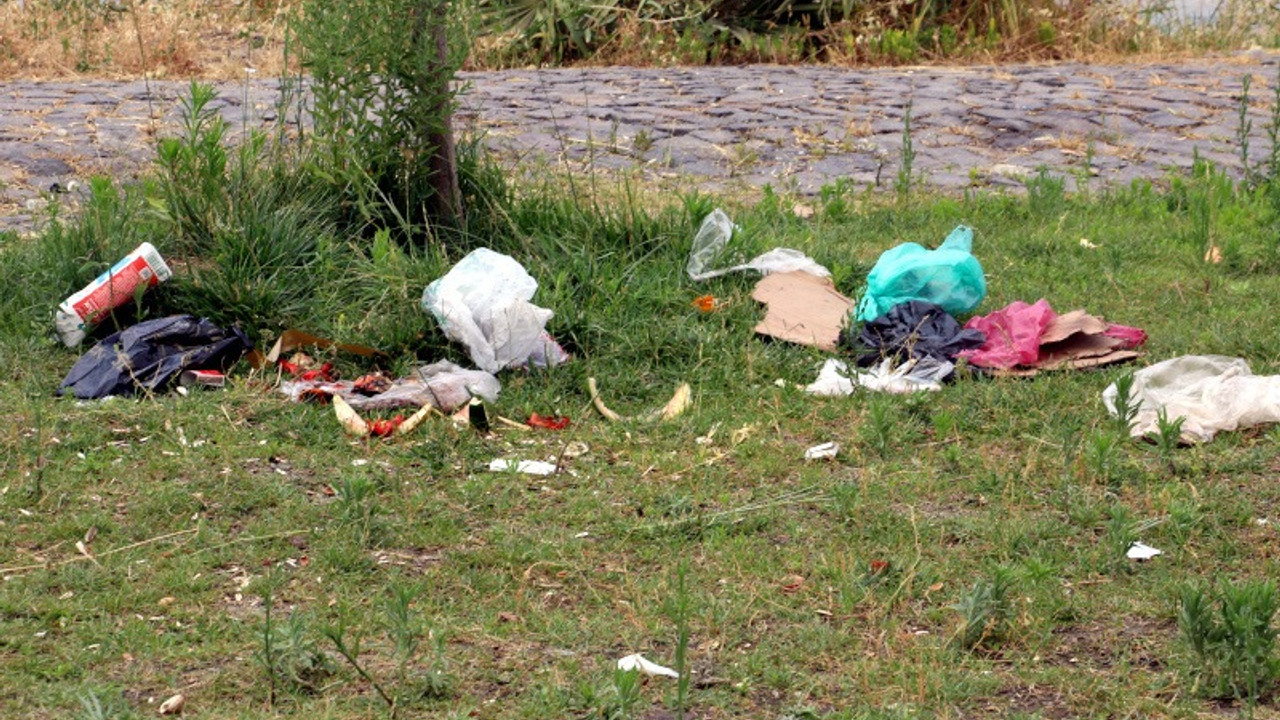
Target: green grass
[963,556]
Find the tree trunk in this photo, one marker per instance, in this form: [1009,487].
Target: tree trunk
[446,201]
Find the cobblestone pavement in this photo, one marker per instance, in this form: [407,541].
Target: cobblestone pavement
[796,128]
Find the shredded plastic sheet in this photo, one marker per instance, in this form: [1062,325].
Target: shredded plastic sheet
[711,246]
[442,385]
[923,374]
[484,303]
[1214,393]
[151,354]
[949,276]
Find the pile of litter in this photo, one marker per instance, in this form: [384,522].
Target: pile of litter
[901,336]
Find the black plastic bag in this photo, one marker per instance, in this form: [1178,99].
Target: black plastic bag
[150,354]
[914,329]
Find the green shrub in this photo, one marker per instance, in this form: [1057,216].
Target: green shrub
[1232,639]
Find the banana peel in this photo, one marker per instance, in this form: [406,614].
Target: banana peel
[679,402]
[359,427]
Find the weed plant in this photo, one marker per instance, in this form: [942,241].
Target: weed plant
[1232,639]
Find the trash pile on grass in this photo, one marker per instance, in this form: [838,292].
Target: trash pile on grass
[903,335]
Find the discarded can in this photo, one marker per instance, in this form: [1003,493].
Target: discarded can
[142,268]
[477,416]
[202,378]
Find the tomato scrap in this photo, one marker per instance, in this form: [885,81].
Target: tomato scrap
[372,384]
[384,428]
[705,303]
[324,372]
[548,422]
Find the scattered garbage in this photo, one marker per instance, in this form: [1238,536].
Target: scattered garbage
[711,246]
[949,276]
[291,340]
[679,402]
[1141,551]
[913,329]
[442,385]
[547,422]
[484,303]
[202,379]
[825,451]
[358,426]
[1012,335]
[802,308]
[915,375]
[1214,393]
[638,663]
[476,415]
[706,303]
[1023,340]
[136,272]
[150,354]
[174,705]
[525,467]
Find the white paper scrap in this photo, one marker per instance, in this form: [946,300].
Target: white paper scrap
[527,467]
[825,451]
[1142,551]
[639,663]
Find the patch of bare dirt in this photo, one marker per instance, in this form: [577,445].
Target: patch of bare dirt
[1099,646]
[1041,701]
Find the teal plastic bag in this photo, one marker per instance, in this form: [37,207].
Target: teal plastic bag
[949,276]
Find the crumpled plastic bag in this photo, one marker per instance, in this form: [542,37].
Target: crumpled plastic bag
[483,303]
[1013,334]
[152,353]
[710,246]
[915,375]
[914,329]
[1214,393]
[442,385]
[949,276]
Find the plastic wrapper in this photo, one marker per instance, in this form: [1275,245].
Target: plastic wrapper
[442,385]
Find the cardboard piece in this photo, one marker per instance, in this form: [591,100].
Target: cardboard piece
[291,340]
[1075,341]
[802,308]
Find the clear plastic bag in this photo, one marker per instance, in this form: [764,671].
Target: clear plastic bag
[711,248]
[949,276]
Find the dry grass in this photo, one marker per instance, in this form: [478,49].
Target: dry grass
[178,38]
[217,40]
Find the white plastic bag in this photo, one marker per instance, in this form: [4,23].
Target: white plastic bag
[1213,392]
[483,303]
[712,241]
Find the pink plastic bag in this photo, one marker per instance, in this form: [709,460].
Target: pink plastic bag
[1013,335]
